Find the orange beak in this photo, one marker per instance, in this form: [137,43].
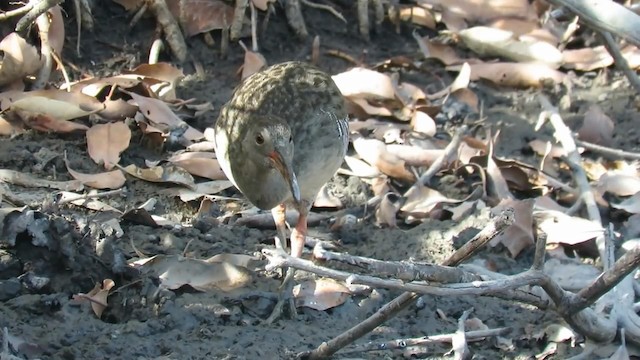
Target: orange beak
[285,168]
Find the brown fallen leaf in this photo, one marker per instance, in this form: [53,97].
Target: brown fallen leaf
[81,200]
[417,15]
[162,174]
[97,296]
[564,229]
[19,59]
[517,75]
[421,200]
[414,155]
[618,183]
[168,77]
[42,122]
[324,199]
[487,41]
[387,210]
[234,259]
[519,235]
[175,271]
[364,83]
[56,103]
[597,127]
[160,115]
[203,189]
[423,123]
[197,16]
[26,180]
[202,164]
[253,62]
[105,142]
[375,153]
[107,180]
[432,49]
[589,59]
[320,294]
[359,168]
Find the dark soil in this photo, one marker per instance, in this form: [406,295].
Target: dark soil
[144,323]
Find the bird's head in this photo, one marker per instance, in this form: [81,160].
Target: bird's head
[269,142]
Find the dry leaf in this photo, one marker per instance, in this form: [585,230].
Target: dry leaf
[414,155]
[200,16]
[202,164]
[519,235]
[564,229]
[487,41]
[359,168]
[175,271]
[42,122]
[364,83]
[597,127]
[97,296]
[421,200]
[518,75]
[387,210]
[484,10]
[630,205]
[19,59]
[168,77]
[421,122]
[159,113]
[375,153]
[262,4]
[588,59]
[326,200]
[618,183]
[432,49]
[82,200]
[200,190]
[234,259]
[105,142]
[55,103]
[417,15]
[107,180]
[162,174]
[253,62]
[320,294]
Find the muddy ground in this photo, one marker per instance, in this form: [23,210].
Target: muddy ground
[141,323]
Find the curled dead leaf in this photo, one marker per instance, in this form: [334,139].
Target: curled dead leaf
[105,142]
[321,294]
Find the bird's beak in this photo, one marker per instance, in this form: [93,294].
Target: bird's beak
[286,170]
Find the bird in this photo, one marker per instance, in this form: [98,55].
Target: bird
[282,136]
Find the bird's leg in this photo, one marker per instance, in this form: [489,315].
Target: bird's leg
[279,217]
[298,235]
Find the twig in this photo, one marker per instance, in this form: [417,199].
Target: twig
[92,196]
[475,335]
[608,152]
[170,28]
[449,151]
[45,49]
[36,10]
[16,12]
[344,56]
[563,135]
[78,9]
[65,74]
[238,19]
[326,8]
[401,302]
[619,60]
[254,27]
[138,15]
[459,340]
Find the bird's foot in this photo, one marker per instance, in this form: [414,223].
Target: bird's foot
[284,298]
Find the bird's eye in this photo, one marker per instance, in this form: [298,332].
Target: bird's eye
[290,138]
[259,139]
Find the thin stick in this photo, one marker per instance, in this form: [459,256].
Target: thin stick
[65,74]
[254,27]
[608,152]
[16,12]
[421,341]
[92,196]
[326,8]
[619,59]
[33,13]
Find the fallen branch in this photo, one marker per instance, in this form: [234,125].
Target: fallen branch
[475,335]
[608,152]
[36,10]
